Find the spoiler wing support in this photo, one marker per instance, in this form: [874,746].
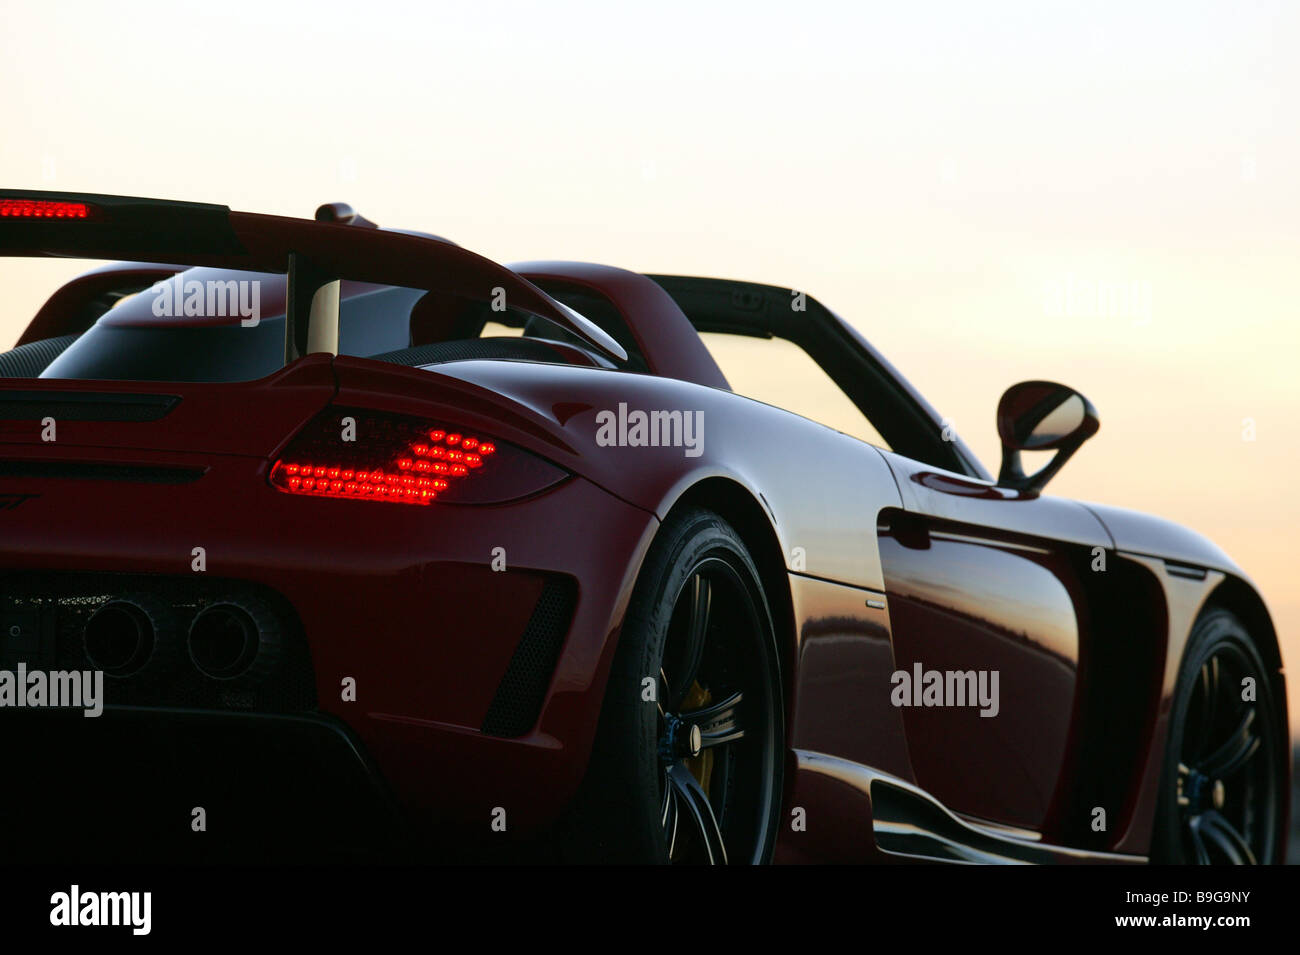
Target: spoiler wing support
[315,254]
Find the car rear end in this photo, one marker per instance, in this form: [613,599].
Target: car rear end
[333,606]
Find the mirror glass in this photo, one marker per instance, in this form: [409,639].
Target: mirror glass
[1060,422]
[1041,417]
[1038,415]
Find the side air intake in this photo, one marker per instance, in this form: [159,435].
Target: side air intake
[519,697]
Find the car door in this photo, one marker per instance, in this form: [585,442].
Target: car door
[986,599]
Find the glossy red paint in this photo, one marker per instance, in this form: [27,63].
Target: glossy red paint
[845,661]
[883,562]
[427,667]
[245,418]
[764,451]
[979,604]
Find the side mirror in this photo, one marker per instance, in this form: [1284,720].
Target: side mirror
[1041,416]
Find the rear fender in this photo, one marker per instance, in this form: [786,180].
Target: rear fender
[577,417]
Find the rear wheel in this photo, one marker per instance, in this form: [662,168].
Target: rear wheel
[688,761]
[1223,783]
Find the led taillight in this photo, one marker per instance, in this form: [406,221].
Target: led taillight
[44,209]
[377,457]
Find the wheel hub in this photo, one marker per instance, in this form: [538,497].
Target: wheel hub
[681,739]
[1198,792]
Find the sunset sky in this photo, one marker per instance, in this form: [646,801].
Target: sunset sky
[956,179]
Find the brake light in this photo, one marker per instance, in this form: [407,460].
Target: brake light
[401,460]
[44,209]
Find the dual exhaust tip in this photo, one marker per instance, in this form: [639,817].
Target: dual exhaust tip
[228,639]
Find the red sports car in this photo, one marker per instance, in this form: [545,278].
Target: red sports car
[324,540]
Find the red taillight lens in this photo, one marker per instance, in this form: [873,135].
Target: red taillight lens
[44,209]
[404,460]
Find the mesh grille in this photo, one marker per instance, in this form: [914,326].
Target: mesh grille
[518,701]
[28,361]
[51,611]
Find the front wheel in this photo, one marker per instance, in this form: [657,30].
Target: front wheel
[688,761]
[1224,783]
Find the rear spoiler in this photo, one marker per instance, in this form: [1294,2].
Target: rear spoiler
[314,255]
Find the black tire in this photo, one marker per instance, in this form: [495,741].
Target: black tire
[1223,783]
[640,773]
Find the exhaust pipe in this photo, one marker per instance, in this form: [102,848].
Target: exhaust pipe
[234,638]
[121,637]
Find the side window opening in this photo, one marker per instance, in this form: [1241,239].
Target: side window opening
[778,372]
[599,310]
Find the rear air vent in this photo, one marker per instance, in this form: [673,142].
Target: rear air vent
[518,701]
[85,471]
[83,406]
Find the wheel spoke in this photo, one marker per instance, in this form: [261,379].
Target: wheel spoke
[1198,842]
[1209,681]
[1225,837]
[1234,753]
[693,799]
[1227,797]
[668,813]
[719,723]
[699,596]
